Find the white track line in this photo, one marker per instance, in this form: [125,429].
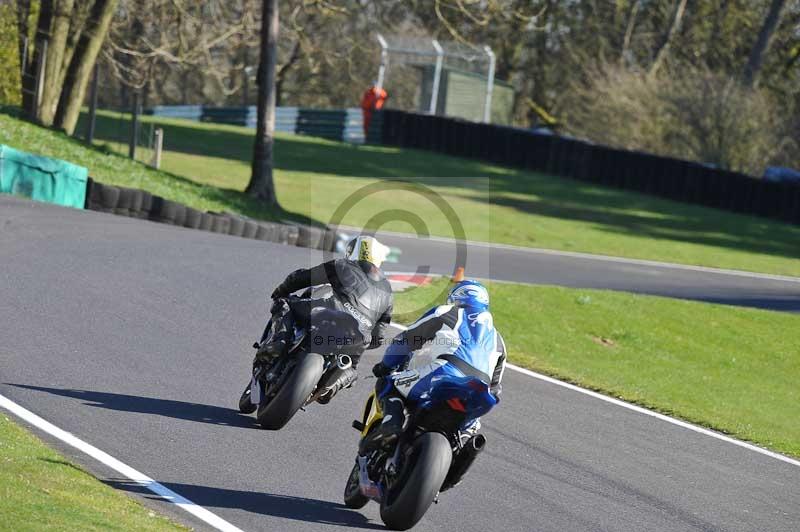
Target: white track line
[123,469]
[645,411]
[592,256]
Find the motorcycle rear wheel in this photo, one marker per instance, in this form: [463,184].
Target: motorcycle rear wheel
[294,391]
[422,476]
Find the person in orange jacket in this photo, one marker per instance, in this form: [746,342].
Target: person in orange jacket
[373,100]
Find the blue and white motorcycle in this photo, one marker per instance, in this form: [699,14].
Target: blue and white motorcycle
[432,454]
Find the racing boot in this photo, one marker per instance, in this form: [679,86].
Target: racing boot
[345,379]
[392,425]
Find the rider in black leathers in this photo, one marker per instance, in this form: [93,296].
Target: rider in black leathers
[359,289]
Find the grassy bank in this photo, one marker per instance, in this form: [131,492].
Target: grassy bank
[109,167]
[733,369]
[41,490]
[208,165]
[314,177]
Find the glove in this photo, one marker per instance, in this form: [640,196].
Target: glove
[381,370]
[376,342]
[277,293]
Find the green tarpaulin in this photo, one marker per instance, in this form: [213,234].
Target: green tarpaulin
[42,178]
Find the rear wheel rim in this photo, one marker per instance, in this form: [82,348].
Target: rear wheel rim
[394,486]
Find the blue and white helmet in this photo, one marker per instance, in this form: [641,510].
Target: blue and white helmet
[469,293]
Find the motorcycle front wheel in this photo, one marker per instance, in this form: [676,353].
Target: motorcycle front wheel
[352,491]
[245,405]
[423,473]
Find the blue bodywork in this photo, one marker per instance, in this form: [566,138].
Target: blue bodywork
[447,383]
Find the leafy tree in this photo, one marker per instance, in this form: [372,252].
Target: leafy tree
[9,58]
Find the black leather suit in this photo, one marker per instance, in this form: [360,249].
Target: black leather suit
[359,289]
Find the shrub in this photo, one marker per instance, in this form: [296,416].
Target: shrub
[687,113]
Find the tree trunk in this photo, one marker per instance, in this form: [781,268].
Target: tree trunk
[261,185]
[626,41]
[666,40]
[23,12]
[82,63]
[753,65]
[53,65]
[76,25]
[34,56]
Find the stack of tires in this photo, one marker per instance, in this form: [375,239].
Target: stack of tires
[136,203]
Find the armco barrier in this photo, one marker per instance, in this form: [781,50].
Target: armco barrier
[675,179]
[136,203]
[335,124]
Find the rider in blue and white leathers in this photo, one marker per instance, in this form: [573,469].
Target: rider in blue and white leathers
[457,339]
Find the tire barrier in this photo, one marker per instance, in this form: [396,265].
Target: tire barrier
[109,198]
[135,203]
[310,237]
[126,204]
[192,219]
[222,224]
[236,227]
[147,206]
[674,179]
[206,221]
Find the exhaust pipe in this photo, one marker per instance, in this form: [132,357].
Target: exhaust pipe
[344,362]
[463,461]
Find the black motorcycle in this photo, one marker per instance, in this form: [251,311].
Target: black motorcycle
[281,386]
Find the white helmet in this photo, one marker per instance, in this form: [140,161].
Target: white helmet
[367,248]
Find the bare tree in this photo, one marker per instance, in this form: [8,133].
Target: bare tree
[76,77]
[753,65]
[59,31]
[69,34]
[666,40]
[261,185]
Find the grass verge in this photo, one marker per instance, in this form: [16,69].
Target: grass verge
[113,169]
[41,490]
[314,177]
[731,369]
[207,166]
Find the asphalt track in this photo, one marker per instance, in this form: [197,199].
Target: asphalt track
[521,265]
[135,337]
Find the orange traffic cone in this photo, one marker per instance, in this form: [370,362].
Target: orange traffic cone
[458,276]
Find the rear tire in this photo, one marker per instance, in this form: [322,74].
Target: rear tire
[294,391]
[352,492]
[245,405]
[405,504]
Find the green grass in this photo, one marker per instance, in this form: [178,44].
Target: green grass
[41,490]
[208,165]
[733,369]
[111,168]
